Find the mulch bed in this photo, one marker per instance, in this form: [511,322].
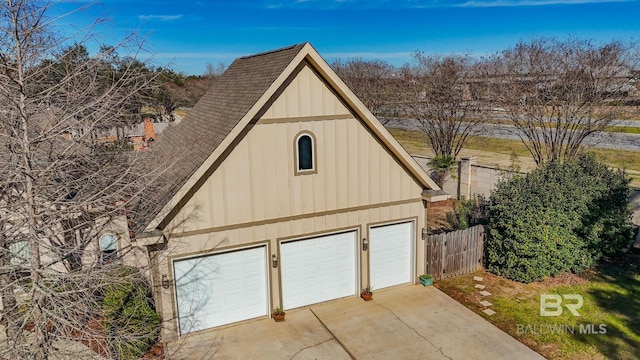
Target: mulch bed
[155,353]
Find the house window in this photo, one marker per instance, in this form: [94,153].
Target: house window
[108,248]
[305,153]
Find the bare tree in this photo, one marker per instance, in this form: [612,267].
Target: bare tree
[379,85]
[558,93]
[214,70]
[58,188]
[445,102]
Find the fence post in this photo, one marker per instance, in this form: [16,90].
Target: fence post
[464,176]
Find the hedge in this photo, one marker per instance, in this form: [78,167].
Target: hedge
[559,218]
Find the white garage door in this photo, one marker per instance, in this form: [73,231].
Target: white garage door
[220,289]
[390,254]
[318,269]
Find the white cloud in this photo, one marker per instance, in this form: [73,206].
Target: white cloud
[159,17]
[505,3]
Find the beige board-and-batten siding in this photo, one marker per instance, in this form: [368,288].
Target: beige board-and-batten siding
[257,182]
[255,197]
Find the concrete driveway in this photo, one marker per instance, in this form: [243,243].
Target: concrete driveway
[406,322]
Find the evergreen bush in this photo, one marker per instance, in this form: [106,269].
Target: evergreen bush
[561,217]
[130,322]
[468,213]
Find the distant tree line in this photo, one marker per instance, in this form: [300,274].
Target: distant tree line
[555,92]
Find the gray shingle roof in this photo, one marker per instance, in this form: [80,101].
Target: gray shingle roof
[188,144]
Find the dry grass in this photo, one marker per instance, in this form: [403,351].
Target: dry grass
[502,153]
[181,112]
[437,216]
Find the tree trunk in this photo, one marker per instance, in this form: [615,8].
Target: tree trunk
[8,317]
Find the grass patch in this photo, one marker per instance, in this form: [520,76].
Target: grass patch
[611,293]
[624,129]
[621,159]
[497,145]
[412,141]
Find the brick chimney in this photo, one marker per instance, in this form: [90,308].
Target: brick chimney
[149,132]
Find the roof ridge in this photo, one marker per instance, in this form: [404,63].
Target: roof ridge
[273,51]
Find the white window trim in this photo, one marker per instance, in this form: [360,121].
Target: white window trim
[297,153]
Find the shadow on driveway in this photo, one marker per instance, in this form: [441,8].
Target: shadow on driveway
[405,322]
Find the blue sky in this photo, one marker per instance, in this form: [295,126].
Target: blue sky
[186,35]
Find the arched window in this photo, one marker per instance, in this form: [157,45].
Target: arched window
[305,153]
[108,248]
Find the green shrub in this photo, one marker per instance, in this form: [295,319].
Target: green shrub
[467,213]
[442,165]
[130,321]
[606,225]
[561,217]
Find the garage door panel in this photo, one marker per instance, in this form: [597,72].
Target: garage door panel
[390,252]
[221,288]
[318,269]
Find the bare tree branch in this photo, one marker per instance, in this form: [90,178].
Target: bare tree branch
[59,188]
[446,102]
[379,85]
[558,93]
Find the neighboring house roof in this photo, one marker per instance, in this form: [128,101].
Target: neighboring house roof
[225,114]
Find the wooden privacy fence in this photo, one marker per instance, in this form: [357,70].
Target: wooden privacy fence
[455,253]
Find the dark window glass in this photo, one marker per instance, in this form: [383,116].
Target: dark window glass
[305,153]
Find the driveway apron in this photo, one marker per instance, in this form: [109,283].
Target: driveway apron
[405,322]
